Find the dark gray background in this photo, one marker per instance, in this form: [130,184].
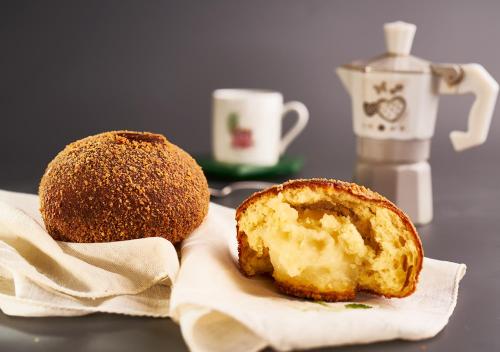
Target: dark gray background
[70,69]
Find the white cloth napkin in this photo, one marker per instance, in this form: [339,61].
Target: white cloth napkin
[217,307]
[221,310]
[42,277]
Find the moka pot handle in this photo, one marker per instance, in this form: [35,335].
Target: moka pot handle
[470,78]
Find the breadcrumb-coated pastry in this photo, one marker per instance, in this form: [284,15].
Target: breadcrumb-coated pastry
[326,240]
[122,185]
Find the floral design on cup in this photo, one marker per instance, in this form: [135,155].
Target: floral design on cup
[241,138]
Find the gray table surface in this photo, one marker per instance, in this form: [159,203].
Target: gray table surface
[465,229]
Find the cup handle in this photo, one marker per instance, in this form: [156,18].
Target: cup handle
[470,78]
[302,119]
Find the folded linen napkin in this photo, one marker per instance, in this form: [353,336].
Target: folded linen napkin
[221,310]
[42,277]
[218,308]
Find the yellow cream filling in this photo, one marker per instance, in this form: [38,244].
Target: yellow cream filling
[330,242]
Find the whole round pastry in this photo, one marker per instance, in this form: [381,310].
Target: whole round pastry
[123,185]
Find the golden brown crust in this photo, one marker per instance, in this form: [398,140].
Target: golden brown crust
[353,189]
[122,185]
[312,293]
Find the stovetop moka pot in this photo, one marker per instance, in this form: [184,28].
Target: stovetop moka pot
[394,106]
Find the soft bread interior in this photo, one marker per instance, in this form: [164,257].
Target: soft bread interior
[330,241]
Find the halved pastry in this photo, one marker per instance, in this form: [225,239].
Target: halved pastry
[327,239]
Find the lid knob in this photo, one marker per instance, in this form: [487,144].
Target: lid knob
[399,37]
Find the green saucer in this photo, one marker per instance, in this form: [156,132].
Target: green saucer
[287,165]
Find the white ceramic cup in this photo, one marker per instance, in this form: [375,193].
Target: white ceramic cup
[246,126]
